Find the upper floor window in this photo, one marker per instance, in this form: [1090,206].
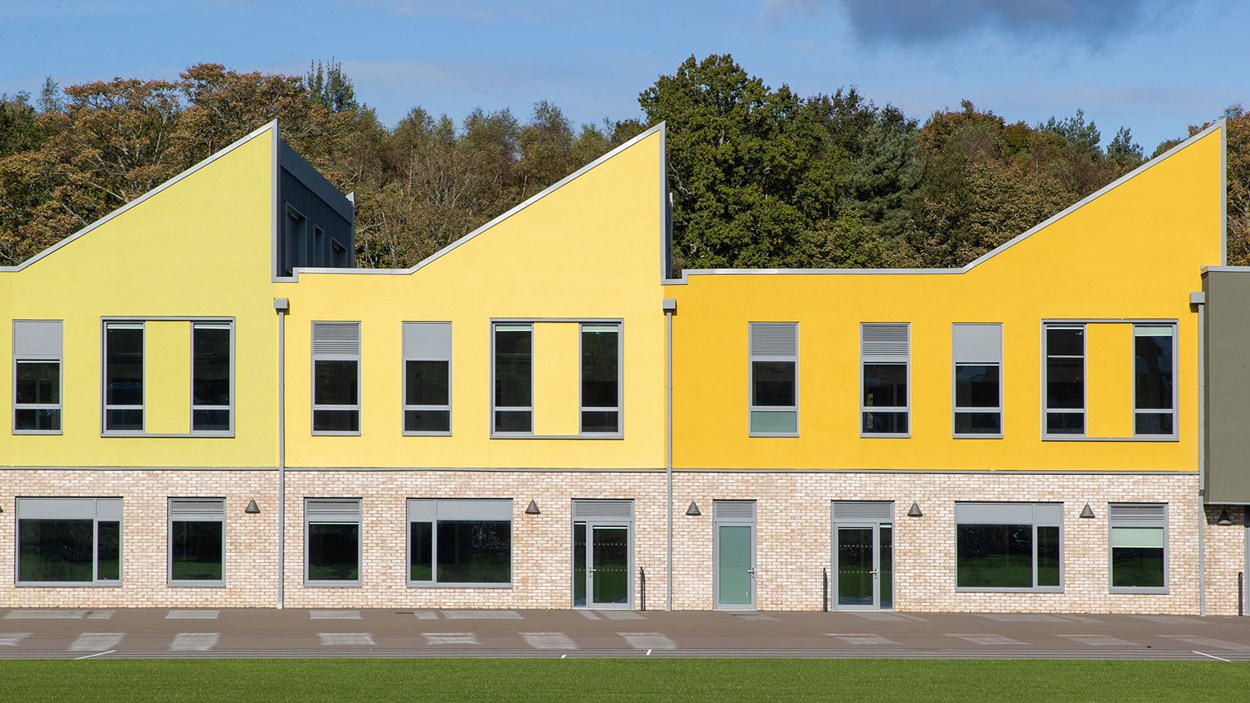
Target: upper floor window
[513,379]
[37,349]
[212,386]
[123,376]
[427,378]
[774,357]
[601,378]
[978,358]
[1065,379]
[336,377]
[1154,368]
[885,353]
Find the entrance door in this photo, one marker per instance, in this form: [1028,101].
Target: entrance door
[734,554]
[602,554]
[864,566]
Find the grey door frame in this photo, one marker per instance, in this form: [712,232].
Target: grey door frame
[591,524]
[875,526]
[717,523]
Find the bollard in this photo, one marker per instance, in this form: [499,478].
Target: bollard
[824,590]
[642,586]
[1241,593]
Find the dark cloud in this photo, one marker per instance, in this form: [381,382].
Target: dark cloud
[1091,22]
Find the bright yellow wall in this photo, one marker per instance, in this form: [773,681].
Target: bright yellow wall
[1134,252]
[201,247]
[590,249]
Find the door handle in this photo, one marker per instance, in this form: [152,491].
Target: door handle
[590,571]
[751,571]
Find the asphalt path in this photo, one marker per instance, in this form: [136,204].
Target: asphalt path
[243,633]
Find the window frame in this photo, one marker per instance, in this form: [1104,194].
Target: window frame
[1175,434]
[956,409]
[227,324]
[434,523]
[105,407]
[220,507]
[495,328]
[406,357]
[753,357]
[1083,326]
[619,409]
[96,581]
[1114,521]
[59,359]
[1034,524]
[355,358]
[360,539]
[865,409]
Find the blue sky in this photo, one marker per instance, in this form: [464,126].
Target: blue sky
[1152,65]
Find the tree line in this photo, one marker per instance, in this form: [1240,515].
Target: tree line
[761,176]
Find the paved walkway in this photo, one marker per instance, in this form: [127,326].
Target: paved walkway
[92,634]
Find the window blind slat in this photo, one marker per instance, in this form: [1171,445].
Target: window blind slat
[884,341]
[774,339]
[341,338]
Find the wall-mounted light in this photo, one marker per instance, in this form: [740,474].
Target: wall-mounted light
[914,510]
[252,508]
[693,510]
[532,508]
[1087,512]
[1223,519]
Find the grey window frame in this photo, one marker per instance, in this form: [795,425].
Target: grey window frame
[410,356]
[495,327]
[1161,522]
[906,363]
[104,378]
[1034,521]
[229,407]
[20,357]
[1046,409]
[209,506]
[1175,434]
[360,538]
[327,356]
[464,504]
[956,362]
[755,354]
[97,505]
[620,381]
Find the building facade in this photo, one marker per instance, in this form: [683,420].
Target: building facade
[211,408]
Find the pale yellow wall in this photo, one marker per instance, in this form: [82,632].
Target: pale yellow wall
[590,249]
[199,248]
[1135,252]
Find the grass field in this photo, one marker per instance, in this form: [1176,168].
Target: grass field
[585,680]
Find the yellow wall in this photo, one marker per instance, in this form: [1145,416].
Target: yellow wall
[1134,252]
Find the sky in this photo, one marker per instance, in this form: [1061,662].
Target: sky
[1155,66]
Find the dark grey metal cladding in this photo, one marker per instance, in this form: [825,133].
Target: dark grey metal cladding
[1227,374]
[316,223]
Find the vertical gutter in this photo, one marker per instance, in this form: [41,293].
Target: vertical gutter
[670,307]
[282,306]
[1199,300]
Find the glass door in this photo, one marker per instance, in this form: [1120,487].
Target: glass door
[601,566]
[735,567]
[864,567]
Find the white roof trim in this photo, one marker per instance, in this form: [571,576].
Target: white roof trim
[1217,125]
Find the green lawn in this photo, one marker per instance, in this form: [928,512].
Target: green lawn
[639,679]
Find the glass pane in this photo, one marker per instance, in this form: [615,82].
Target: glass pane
[994,556]
[421,551]
[1152,368]
[611,565]
[513,421]
[333,552]
[600,364]
[886,566]
[211,366]
[210,420]
[38,382]
[885,385]
[1065,342]
[474,551]
[1149,537]
[976,386]
[124,366]
[773,383]
[513,372]
[195,551]
[855,566]
[579,564]
[55,550]
[335,383]
[41,419]
[601,421]
[1153,423]
[733,565]
[336,421]
[427,382]
[1140,567]
[108,550]
[774,421]
[124,419]
[1048,555]
[978,423]
[1065,383]
[885,423]
[1065,423]
[427,421]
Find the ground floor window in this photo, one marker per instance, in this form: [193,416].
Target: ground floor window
[461,542]
[332,541]
[1008,546]
[1138,548]
[197,541]
[69,540]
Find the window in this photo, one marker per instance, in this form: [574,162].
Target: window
[514,379]
[978,356]
[1138,548]
[339,255]
[427,378]
[774,352]
[69,541]
[197,541]
[1065,379]
[601,378]
[37,346]
[212,386]
[884,351]
[1008,546]
[460,542]
[336,377]
[332,541]
[123,377]
[1154,367]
